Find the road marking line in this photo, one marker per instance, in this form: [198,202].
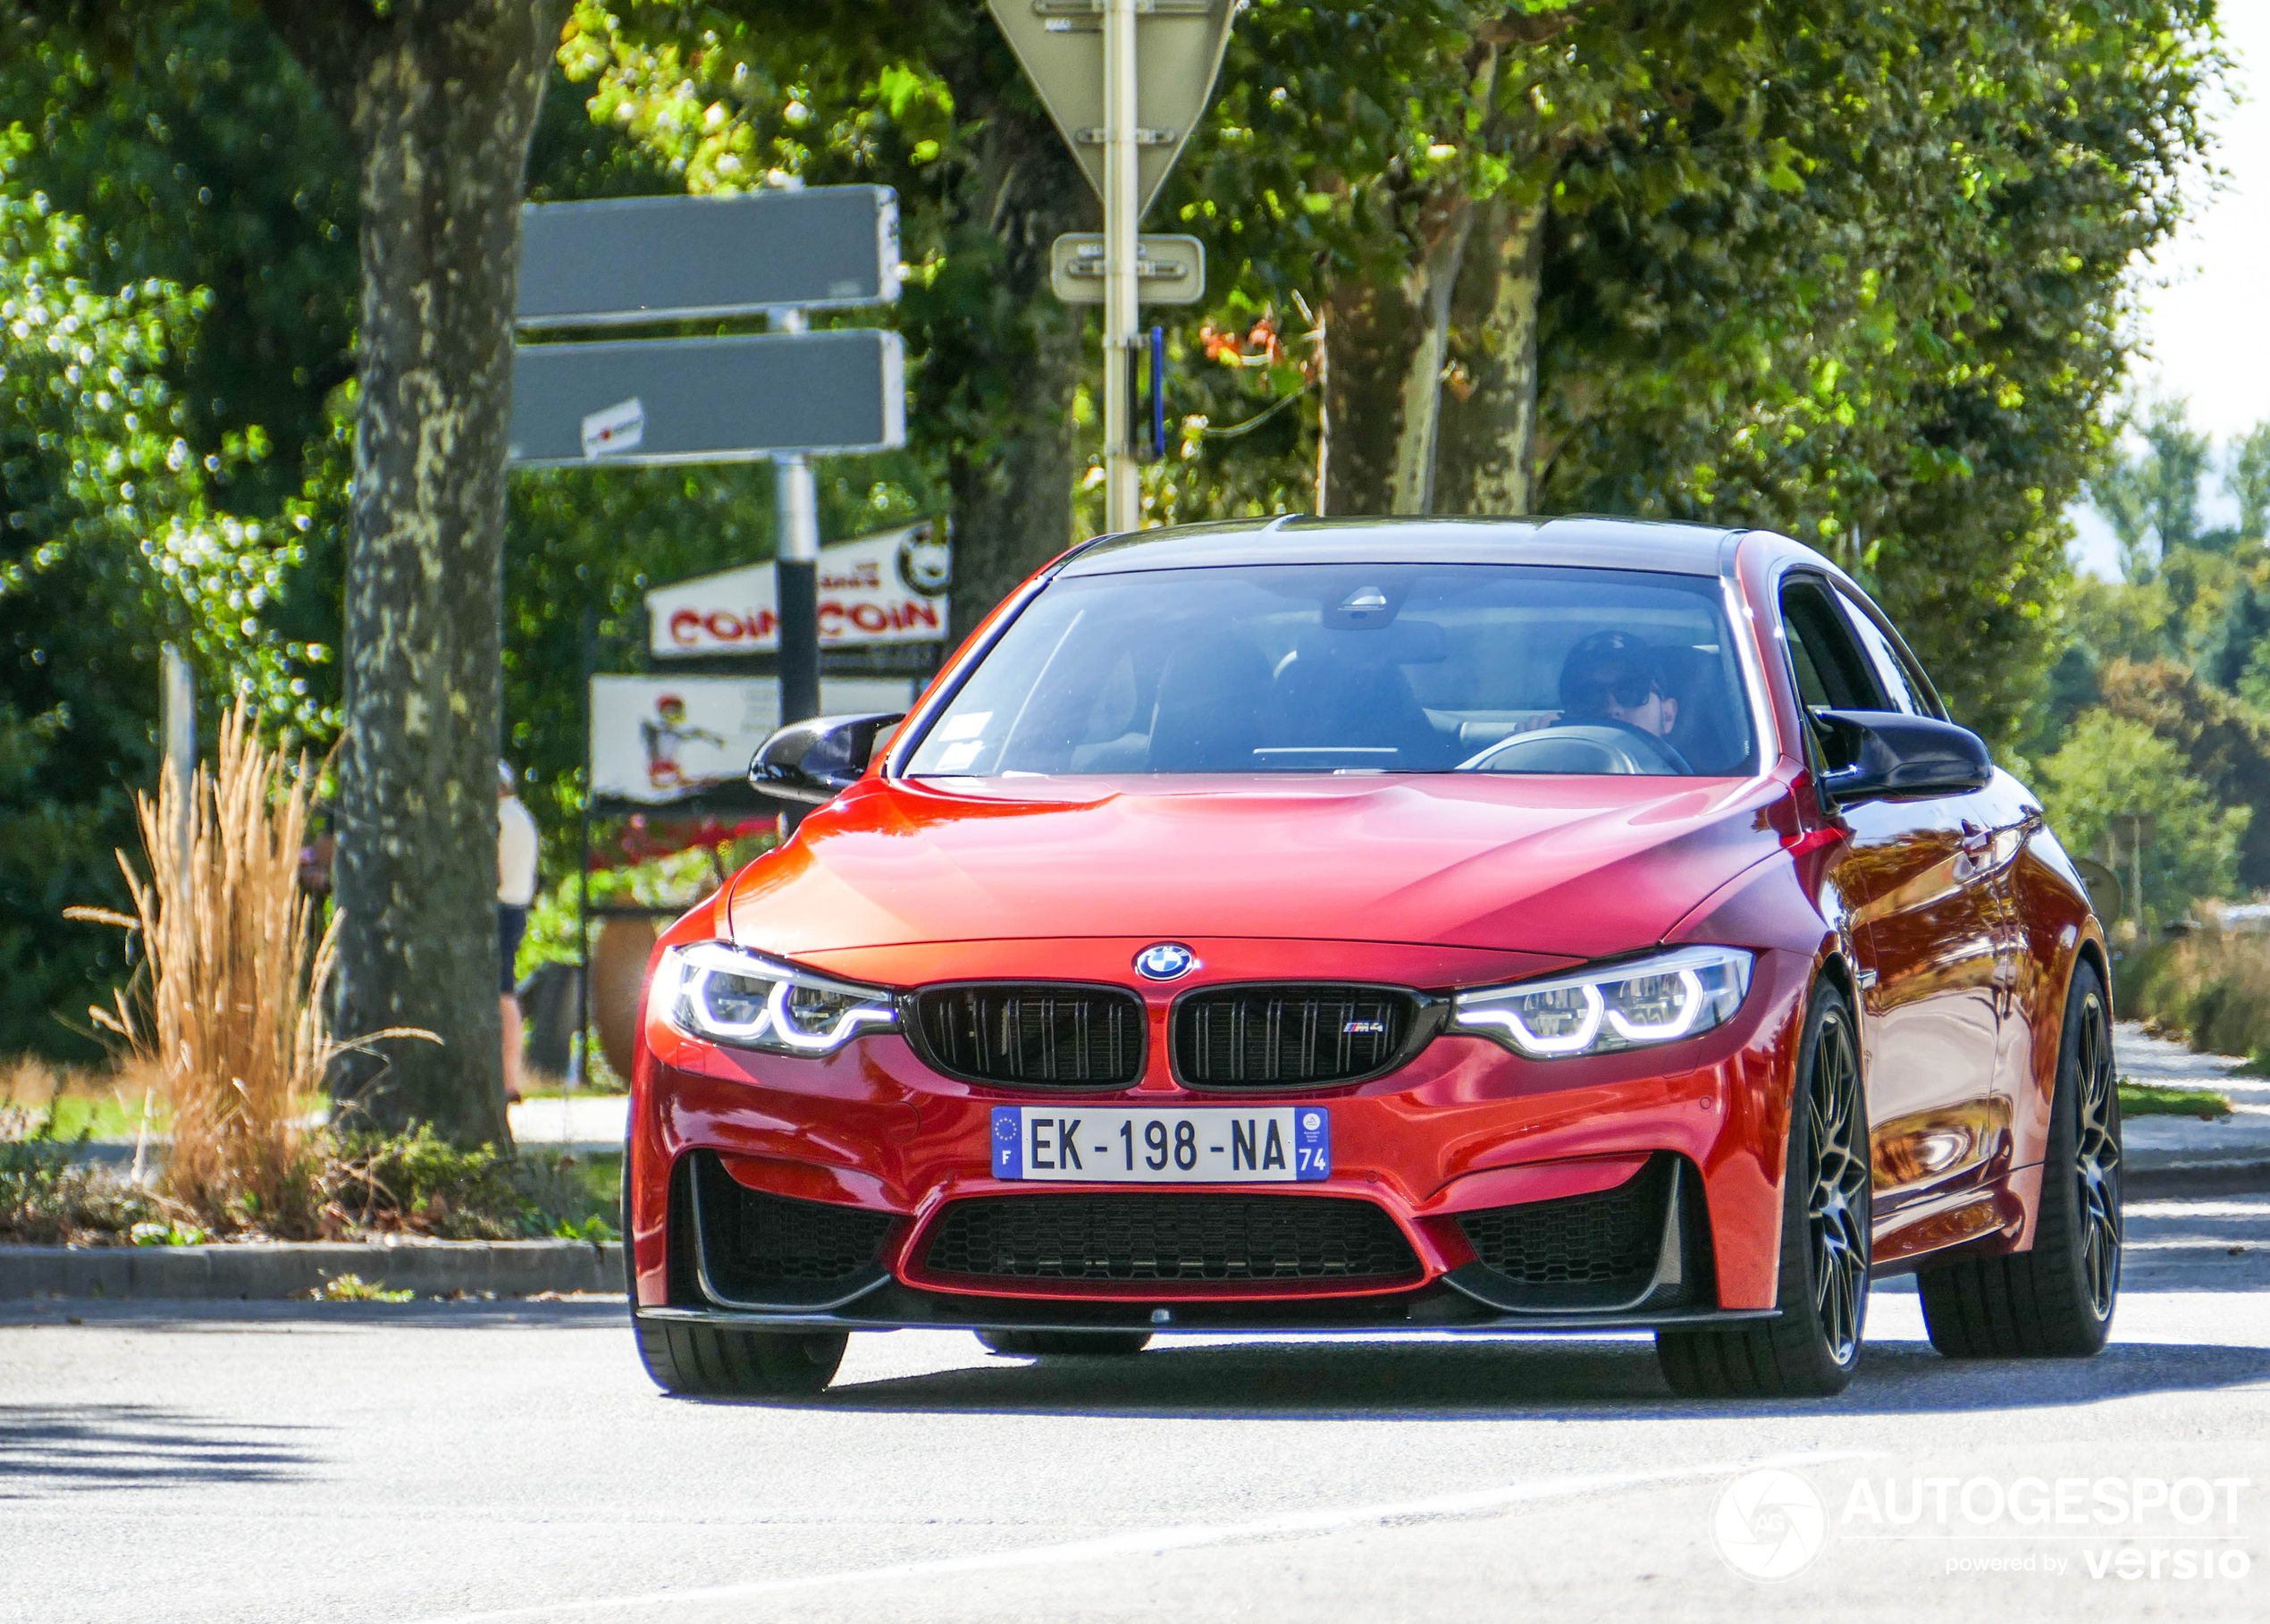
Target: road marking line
[1147,1542]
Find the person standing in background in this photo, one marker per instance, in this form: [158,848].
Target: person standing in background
[516,892]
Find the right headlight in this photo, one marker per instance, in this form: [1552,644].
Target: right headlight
[725,994]
[1617,1007]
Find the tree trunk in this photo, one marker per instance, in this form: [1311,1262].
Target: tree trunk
[1007,377]
[439,99]
[1486,447]
[1384,345]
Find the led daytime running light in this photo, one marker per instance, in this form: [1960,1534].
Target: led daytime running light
[1568,1044]
[1505,1013]
[683,988]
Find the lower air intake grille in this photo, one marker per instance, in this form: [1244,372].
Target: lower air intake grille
[1170,1237]
[1061,1036]
[760,1248]
[1610,1238]
[1284,1036]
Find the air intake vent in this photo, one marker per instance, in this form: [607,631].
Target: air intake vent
[1284,1035]
[1046,1035]
[758,1248]
[1147,1238]
[1610,1239]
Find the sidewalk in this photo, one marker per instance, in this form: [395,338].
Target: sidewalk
[2171,1153]
[583,1123]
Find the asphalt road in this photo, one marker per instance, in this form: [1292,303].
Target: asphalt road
[351,1462]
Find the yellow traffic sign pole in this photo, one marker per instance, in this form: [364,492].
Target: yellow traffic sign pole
[1122,489]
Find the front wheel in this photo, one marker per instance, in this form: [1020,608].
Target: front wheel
[1812,1346]
[723,1362]
[2055,1302]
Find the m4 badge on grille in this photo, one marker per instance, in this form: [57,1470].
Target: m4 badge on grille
[1078,1144]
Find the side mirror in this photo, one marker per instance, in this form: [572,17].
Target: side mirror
[818,760]
[1893,754]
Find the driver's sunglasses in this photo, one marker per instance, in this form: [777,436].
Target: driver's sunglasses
[1627,695]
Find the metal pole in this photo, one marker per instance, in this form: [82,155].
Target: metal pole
[576,1068]
[177,727]
[795,507]
[1122,490]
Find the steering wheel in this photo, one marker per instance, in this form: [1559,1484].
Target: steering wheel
[1601,747]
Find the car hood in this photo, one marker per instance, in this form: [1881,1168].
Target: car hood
[1574,868]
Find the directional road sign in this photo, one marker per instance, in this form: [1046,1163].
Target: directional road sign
[1178,49]
[649,259]
[1168,269]
[730,399]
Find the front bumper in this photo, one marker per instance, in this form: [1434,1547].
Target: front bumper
[1465,1130]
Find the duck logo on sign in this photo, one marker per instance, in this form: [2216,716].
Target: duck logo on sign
[1164,960]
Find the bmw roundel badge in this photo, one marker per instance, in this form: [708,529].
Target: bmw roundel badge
[1164,960]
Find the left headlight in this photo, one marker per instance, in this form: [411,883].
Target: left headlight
[724,994]
[1618,1006]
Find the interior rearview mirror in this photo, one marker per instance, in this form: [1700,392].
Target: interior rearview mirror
[1891,754]
[818,760]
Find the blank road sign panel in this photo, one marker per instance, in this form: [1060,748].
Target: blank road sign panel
[646,259]
[730,399]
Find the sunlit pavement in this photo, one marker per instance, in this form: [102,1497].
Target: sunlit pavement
[354,1461]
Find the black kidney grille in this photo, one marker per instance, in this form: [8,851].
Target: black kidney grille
[1064,1036]
[1168,1238]
[1264,1037]
[755,1243]
[1609,1237]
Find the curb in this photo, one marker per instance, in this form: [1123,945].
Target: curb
[281,1269]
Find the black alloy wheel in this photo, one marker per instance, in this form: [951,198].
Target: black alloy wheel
[1812,1345]
[1052,1344]
[2057,1301]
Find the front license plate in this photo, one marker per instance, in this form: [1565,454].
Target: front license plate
[1081,1144]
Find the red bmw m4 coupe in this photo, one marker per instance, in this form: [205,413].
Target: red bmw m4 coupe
[1378,925]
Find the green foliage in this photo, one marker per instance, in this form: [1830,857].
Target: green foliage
[2151,500]
[50,1196]
[2212,985]
[416,1182]
[2249,482]
[2139,1100]
[2109,764]
[354,1288]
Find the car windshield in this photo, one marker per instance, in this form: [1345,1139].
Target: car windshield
[1347,667]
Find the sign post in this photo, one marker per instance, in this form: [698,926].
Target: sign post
[1122,486]
[1125,97]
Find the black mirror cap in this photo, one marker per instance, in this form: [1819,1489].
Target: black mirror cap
[1894,754]
[817,760]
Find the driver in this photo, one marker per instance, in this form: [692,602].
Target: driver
[1615,677]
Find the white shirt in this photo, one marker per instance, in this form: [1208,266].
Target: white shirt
[516,854]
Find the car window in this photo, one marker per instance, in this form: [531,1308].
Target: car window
[1900,680]
[1831,670]
[1355,668]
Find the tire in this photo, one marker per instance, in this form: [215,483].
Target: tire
[724,1362]
[1812,1346]
[719,1361]
[1052,1344]
[2057,1301]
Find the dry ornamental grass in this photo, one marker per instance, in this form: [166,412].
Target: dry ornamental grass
[227,1016]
